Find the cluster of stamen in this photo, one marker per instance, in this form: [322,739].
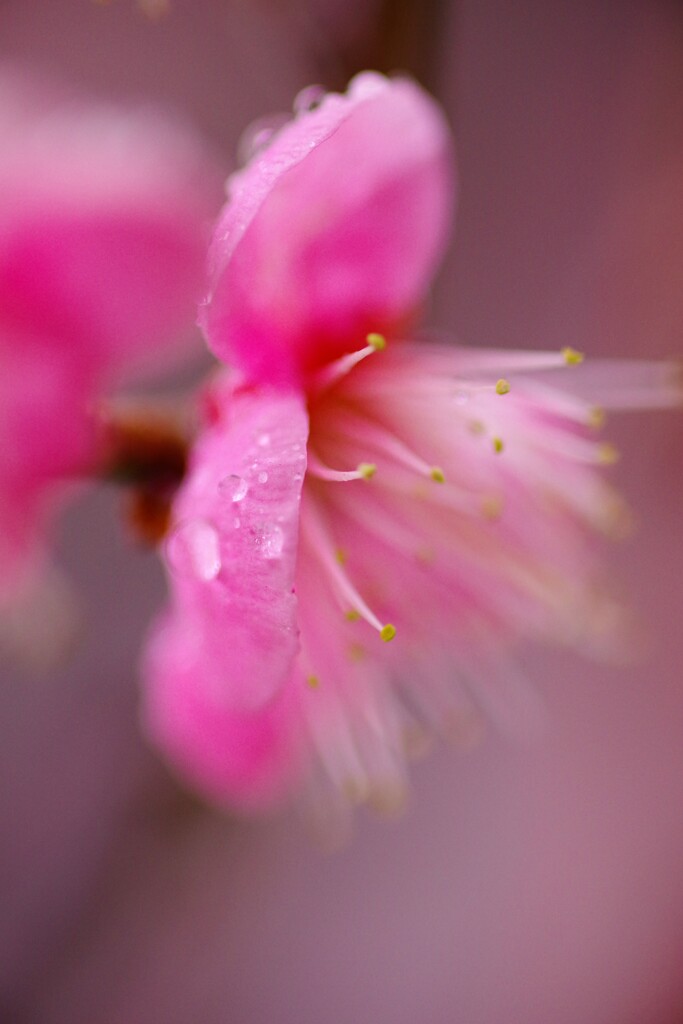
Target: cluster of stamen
[363,432]
[366,419]
[359,430]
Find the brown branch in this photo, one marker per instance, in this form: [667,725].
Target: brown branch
[145,447]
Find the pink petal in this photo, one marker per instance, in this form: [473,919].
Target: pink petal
[232,552]
[46,438]
[332,232]
[246,759]
[102,230]
[103,221]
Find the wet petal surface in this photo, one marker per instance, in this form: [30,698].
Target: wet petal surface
[333,230]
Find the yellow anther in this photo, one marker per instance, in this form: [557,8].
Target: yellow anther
[154,9]
[437,474]
[492,506]
[356,790]
[367,470]
[377,341]
[597,417]
[571,356]
[388,632]
[502,386]
[356,652]
[388,798]
[608,454]
[341,556]
[352,615]
[498,445]
[313,682]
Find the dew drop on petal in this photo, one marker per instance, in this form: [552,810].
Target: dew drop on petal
[258,135]
[192,550]
[263,477]
[233,487]
[263,441]
[308,99]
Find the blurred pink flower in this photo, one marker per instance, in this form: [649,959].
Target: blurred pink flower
[102,230]
[352,487]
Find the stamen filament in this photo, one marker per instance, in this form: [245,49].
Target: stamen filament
[459,361]
[580,449]
[372,435]
[364,471]
[349,598]
[427,387]
[340,367]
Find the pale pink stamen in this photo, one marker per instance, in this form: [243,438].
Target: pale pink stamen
[364,471]
[350,600]
[339,368]
[371,434]
[468,361]
[429,386]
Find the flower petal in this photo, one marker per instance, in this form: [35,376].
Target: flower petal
[332,232]
[102,223]
[46,437]
[244,759]
[232,551]
[104,215]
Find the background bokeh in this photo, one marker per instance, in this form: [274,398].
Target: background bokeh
[526,883]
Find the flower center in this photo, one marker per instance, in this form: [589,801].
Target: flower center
[353,442]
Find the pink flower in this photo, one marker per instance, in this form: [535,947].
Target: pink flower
[102,221]
[369,522]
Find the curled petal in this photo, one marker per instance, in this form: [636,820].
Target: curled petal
[232,551]
[332,231]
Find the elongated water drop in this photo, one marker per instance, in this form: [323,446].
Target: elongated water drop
[192,550]
[308,99]
[257,136]
[233,487]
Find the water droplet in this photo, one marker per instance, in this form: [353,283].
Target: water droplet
[193,550]
[263,477]
[258,135]
[233,487]
[271,540]
[236,523]
[308,99]
[263,441]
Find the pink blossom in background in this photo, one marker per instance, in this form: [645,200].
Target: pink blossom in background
[103,216]
[364,534]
